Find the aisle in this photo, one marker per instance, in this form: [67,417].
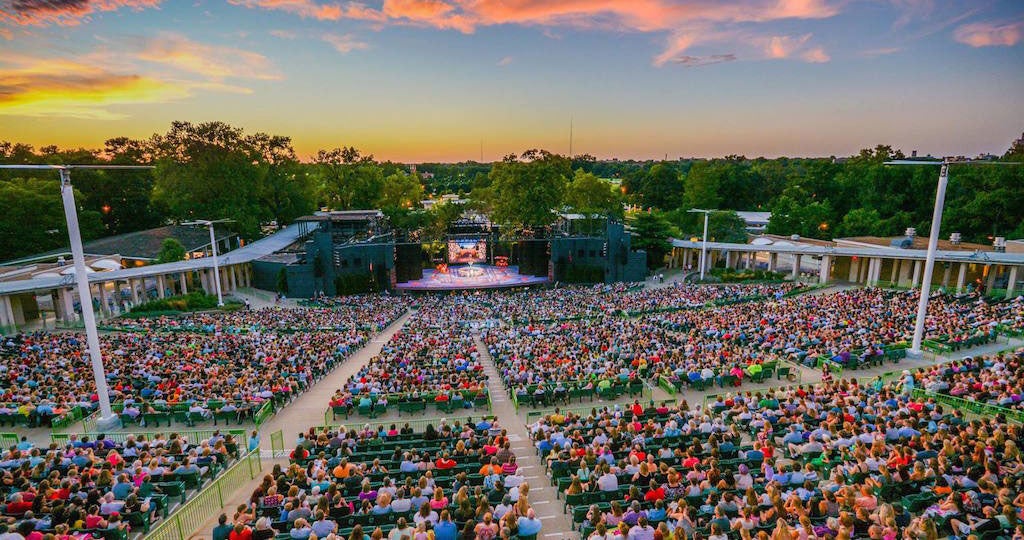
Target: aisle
[542,496]
[305,411]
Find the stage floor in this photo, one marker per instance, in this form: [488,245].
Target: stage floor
[489,277]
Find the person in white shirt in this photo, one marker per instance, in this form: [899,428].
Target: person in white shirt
[642,530]
[608,482]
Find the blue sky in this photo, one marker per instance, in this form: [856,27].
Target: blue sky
[417,80]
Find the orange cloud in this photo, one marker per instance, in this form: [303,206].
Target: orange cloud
[51,89]
[63,12]
[212,61]
[989,34]
[165,68]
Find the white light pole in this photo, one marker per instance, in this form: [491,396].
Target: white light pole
[704,243]
[213,244]
[107,419]
[933,239]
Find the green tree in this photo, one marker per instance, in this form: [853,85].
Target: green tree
[347,179]
[171,250]
[213,170]
[525,191]
[860,222]
[400,190]
[588,194]
[701,186]
[651,232]
[32,217]
[662,187]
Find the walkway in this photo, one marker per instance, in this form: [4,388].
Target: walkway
[543,497]
[305,411]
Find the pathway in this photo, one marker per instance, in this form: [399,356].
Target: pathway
[305,411]
[543,497]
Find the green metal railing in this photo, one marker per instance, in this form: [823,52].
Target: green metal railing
[665,385]
[533,416]
[68,419]
[969,405]
[417,425]
[201,508]
[8,440]
[277,444]
[193,435]
[264,412]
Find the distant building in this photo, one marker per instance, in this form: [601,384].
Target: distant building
[756,222]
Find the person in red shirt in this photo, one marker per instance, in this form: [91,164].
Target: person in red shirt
[445,462]
[655,493]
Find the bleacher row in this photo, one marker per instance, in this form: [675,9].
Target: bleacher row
[914,496]
[64,484]
[383,451]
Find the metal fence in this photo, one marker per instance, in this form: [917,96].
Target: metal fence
[971,406]
[8,440]
[417,425]
[277,444]
[193,435]
[204,506]
[533,416]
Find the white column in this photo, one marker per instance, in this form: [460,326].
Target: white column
[134,284]
[991,282]
[752,260]
[854,270]
[68,305]
[234,277]
[245,275]
[183,277]
[894,280]
[874,271]
[161,286]
[824,268]
[796,265]
[104,299]
[904,274]
[5,307]
[1011,285]
[917,275]
[773,261]
[946,274]
[961,277]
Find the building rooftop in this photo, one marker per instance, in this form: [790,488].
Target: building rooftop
[918,242]
[343,215]
[144,245]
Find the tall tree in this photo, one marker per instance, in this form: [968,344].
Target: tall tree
[588,194]
[651,232]
[32,217]
[525,191]
[662,187]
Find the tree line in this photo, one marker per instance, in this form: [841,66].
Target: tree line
[214,170]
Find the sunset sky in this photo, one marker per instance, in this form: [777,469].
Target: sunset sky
[428,80]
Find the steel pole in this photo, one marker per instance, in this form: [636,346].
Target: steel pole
[929,261]
[704,248]
[216,269]
[85,295]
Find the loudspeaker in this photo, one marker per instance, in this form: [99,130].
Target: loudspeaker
[408,262]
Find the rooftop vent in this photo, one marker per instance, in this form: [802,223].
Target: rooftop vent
[954,239]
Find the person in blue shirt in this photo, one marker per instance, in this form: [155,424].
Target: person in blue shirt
[323,526]
[529,525]
[222,530]
[447,530]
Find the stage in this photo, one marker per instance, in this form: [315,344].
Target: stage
[477,276]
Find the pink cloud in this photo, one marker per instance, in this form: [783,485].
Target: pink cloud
[816,55]
[989,34]
[214,62]
[688,22]
[63,13]
[784,46]
[345,43]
